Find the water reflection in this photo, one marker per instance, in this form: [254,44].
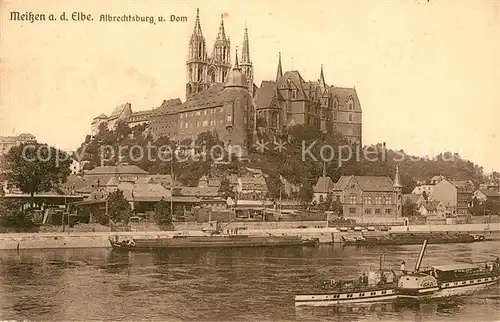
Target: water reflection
[216,284]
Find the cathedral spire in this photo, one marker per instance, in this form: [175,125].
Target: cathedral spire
[236,64]
[245,54]
[197,25]
[279,73]
[222,34]
[322,82]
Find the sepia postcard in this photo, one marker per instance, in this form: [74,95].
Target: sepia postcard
[249,160]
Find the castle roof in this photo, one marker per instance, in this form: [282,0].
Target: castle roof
[266,94]
[119,110]
[343,94]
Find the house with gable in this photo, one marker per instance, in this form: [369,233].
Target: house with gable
[370,199]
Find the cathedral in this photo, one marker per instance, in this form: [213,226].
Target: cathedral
[203,70]
[221,96]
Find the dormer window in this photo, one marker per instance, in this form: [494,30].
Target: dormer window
[294,93]
[350,104]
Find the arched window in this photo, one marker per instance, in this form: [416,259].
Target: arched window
[200,48]
[335,104]
[350,117]
[211,76]
[200,74]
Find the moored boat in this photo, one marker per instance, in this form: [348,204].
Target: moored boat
[210,241]
[412,239]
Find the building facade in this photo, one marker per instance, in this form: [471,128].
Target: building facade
[369,199]
[454,195]
[7,142]
[121,113]
[290,100]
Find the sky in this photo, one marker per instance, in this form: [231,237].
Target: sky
[427,73]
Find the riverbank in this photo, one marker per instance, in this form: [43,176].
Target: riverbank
[325,235]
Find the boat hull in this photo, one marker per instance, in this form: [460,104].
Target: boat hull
[358,297]
[211,242]
[405,239]
[455,288]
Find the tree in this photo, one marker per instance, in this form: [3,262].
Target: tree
[225,189]
[337,207]
[118,207]
[13,216]
[306,192]
[35,167]
[162,213]
[410,208]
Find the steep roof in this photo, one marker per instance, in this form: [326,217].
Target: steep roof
[119,110]
[324,185]
[431,205]
[116,170]
[413,197]
[367,183]
[490,193]
[167,107]
[266,94]
[463,185]
[212,97]
[343,94]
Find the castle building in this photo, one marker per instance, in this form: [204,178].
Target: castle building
[121,113]
[223,108]
[7,142]
[290,100]
[203,70]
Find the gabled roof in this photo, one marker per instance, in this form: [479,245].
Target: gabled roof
[413,197]
[167,107]
[120,109]
[463,185]
[431,205]
[211,97]
[343,94]
[367,183]
[490,193]
[266,95]
[324,185]
[116,170]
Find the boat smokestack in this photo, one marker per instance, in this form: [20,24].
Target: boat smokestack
[421,255]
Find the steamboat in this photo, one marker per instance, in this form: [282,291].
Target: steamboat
[391,285]
[446,280]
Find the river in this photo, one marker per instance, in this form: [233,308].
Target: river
[244,285]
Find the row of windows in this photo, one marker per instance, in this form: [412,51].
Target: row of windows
[204,112]
[378,200]
[205,123]
[387,211]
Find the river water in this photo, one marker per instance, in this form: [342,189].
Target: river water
[209,285]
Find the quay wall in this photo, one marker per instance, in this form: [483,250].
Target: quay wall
[326,235]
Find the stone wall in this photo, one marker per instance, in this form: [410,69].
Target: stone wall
[100,239]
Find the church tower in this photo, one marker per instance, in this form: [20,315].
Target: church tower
[220,63]
[246,62]
[197,61]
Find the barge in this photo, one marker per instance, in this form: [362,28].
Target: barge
[210,241]
[412,239]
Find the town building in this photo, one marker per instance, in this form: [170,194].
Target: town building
[323,188]
[454,195]
[370,199]
[427,188]
[490,198]
[7,142]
